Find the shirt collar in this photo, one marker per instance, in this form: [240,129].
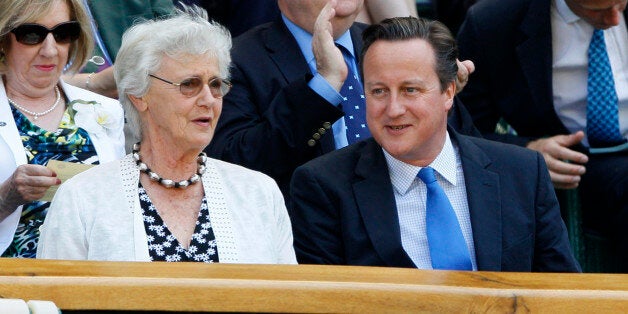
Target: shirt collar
[304,40]
[402,174]
[565,12]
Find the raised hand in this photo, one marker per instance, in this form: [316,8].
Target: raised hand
[330,63]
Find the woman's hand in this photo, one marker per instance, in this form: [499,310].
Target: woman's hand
[27,183]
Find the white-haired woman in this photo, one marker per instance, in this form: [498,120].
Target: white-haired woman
[166,201]
[41,117]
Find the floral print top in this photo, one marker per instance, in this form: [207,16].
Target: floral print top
[163,246]
[68,143]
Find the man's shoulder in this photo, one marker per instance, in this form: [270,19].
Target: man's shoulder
[343,160]
[488,11]
[498,151]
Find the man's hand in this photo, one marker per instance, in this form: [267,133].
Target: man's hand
[465,68]
[330,63]
[28,183]
[565,165]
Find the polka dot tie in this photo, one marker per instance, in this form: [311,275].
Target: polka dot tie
[602,110]
[353,104]
[448,249]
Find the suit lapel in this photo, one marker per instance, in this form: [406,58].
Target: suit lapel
[285,52]
[484,204]
[376,204]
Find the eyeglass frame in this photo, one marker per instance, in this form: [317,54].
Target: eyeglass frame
[20,37]
[224,82]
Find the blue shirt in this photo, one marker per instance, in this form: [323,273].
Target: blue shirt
[318,84]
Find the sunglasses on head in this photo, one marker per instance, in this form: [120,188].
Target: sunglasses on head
[34,34]
[192,86]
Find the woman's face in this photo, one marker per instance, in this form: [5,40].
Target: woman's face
[34,70]
[180,121]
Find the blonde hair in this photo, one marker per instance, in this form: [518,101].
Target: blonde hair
[18,12]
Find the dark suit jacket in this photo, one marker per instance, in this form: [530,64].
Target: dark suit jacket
[114,17]
[344,212]
[271,120]
[510,42]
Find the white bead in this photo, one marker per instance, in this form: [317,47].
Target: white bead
[153,176]
[194,178]
[167,183]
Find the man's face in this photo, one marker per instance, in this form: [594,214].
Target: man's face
[406,110]
[601,14]
[305,12]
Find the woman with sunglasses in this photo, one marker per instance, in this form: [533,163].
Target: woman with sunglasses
[41,117]
[167,201]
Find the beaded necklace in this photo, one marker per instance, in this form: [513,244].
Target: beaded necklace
[201,160]
[36,115]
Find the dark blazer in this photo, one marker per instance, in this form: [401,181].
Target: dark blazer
[114,17]
[344,212]
[510,42]
[271,120]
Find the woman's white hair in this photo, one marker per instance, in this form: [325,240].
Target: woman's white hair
[186,32]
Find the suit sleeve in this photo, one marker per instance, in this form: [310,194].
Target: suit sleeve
[552,251]
[315,221]
[266,123]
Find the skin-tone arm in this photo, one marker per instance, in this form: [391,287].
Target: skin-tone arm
[101,82]
[375,11]
[565,165]
[28,183]
[330,63]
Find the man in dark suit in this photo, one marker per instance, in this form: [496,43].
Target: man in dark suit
[364,205]
[532,72]
[283,109]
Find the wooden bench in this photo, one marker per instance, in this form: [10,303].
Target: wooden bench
[81,285]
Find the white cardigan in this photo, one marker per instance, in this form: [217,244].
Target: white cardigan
[96,215]
[109,146]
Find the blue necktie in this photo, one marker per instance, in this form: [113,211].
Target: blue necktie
[448,248]
[602,110]
[353,104]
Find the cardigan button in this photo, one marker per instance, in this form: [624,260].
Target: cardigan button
[311,143]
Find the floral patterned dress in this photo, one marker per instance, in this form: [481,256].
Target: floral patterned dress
[68,143]
[163,246]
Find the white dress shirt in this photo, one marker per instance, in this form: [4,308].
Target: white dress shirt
[411,196]
[571,36]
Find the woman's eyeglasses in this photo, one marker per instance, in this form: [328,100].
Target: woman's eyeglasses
[34,34]
[192,86]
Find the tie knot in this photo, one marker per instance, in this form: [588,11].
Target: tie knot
[427,175]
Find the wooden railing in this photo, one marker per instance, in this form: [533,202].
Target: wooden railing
[74,285]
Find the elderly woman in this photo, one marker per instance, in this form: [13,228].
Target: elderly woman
[42,118]
[167,201]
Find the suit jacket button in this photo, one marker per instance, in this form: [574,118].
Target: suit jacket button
[311,143]
[316,136]
[327,125]
[322,131]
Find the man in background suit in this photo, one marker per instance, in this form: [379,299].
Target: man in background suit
[283,108]
[364,205]
[532,67]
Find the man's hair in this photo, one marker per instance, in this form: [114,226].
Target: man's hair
[434,32]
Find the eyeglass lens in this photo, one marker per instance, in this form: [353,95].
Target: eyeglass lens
[33,34]
[192,86]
